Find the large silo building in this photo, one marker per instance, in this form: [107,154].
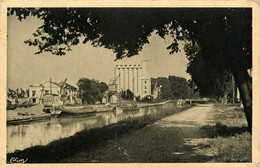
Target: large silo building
[133,76]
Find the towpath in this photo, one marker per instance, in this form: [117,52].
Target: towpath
[172,139]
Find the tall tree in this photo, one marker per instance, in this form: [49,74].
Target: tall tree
[224,35]
[103,87]
[89,90]
[211,81]
[166,87]
[179,87]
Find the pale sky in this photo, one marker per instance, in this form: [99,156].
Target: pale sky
[25,68]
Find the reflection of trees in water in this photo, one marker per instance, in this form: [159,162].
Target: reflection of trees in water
[68,121]
[77,124]
[106,118]
[89,124]
[50,126]
[19,130]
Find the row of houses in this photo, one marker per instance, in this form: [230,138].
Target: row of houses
[36,92]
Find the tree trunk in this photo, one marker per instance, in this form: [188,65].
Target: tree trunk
[225,98]
[222,100]
[244,84]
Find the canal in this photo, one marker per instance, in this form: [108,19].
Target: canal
[22,136]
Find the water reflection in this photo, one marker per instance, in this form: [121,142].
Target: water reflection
[23,136]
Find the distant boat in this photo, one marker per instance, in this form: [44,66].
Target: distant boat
[123,108]
[52,104]
[79,110]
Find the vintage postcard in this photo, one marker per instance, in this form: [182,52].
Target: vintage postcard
[126,83]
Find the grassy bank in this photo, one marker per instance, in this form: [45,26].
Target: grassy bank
[230,141]
[87,139]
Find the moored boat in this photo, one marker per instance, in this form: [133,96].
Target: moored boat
[52,104]
[76,110]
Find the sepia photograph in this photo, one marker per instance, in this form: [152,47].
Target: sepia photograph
[98,85]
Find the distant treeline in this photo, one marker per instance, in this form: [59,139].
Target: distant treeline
[174,87]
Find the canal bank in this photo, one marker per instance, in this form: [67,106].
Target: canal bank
[35,113]
[87,138]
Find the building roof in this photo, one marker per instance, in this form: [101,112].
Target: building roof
[55,83]
[67,86]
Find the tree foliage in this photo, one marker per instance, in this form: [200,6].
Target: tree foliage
[103,87]
[124,30]
[90,90]
[210,82]
[166,87]
[18,93]
[173,87]
[179,87]
[127,95]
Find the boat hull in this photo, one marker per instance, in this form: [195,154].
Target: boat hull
[53,110]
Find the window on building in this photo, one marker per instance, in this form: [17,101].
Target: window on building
[145,87]
[33,93]
[145,92]
[144,81]
[46,91]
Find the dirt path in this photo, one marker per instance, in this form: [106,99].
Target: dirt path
[168,140]
[193,117]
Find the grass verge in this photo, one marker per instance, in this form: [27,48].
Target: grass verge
[230,141]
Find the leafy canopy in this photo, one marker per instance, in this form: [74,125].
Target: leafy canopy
[90,90]
[211,80]
[219,32]
[172,87]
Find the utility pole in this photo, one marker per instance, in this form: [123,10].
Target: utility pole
[50,87]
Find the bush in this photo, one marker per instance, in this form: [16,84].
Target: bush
[127,95]
[147,98]
[138,98]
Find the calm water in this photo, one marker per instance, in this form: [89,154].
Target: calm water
[23,136]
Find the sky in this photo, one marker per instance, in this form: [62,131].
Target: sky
[24,68]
